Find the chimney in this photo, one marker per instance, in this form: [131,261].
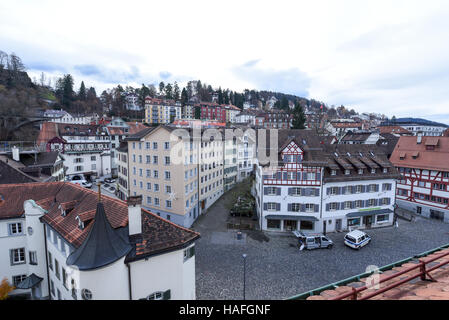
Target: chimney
[15,154]
[419,138]
[135,214]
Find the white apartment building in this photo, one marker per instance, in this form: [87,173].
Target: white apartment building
[324,188]
[59,242]
[246,153]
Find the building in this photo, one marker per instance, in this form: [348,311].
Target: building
[71,119]
[132,102]
[168,181]
[63,242]
[277,119]
[417,125]
[161,111]
[118,130]
[360,137]
[340,127]
[424,167]
[246,153]
[317,187]
[245,117]
[395,130]
[211,111]
[230,170]
[85,148]
[231,113]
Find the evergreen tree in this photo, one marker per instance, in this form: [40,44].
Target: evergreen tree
[82,92]
[220,96]
[299,118]
[143,93]
[176,91]
[161,87]
[284,103]
[184,97]
[168,91]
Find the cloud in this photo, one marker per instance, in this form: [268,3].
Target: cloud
[291,81]
[165,75]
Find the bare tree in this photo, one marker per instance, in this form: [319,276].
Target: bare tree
[3,59]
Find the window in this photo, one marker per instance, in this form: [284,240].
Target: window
[33,257]
[167,145]
[50,261]
[18,279]
[155,145]
[348,204]
[156,201]
[64,278]
[188,253]
[156,187]
[333,206]
[347,172]
[333,172]
[373,170]
[167,175]
[168,189]
[167,160]
[155,174]
[94,167]
[155,159]
[310,207]
[360,171]
[354,222]
[93,158]
[359,189]
[273,224]
[149,200]
[306,225]
[271,191]
[57,269]
[296,207]
[17,256]
[333,190]
[383,217]
[15,229]
[271,206]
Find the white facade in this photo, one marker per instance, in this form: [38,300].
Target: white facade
[69,119]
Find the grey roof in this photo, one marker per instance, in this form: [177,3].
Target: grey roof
[368,213]
[9,174]
[43,159]
[103,245]
[29,282]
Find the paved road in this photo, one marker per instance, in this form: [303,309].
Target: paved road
[276,269]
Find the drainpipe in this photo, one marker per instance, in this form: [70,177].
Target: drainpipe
[46,261]
[129,281]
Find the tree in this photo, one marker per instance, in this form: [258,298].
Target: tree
[161,87]
[176,91]
[82,92]
[299,118]
[5,289]
[168,91]
[3,59]
[143,93]
[284,103]
[184,97]
[152,90]
[220,96]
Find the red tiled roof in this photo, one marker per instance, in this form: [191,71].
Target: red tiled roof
[393,130]
[413,290]
[135,127]
[436,159]
[160,234]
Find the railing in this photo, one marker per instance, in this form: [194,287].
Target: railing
[420,265]
[6,146]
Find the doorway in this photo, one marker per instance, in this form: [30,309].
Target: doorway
[290,225]
[367,221]
[338,225]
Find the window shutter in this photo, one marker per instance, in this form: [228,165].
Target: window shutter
[278,207]
[317,207]
[265,191]
[339,190]
[388,201]
[285,176]
[167,295]
[317,192]
[366,203]
[339,205]
[290,191]
[278,176]
[265,206]
[191,252]
[11,257]
[377,188]
[278,191]
[327,206]
[298,176]
[294,176]
[363,189]
[304,176]
[289,207]
[303,207]
[376,202]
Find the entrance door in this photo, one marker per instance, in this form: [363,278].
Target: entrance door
[338,225]
[418,210]
[290,225]
[367,221]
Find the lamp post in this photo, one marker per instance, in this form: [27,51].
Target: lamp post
[244,275]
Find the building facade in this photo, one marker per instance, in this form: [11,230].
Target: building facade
[424,167]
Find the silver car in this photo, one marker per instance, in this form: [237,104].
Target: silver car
[313,241]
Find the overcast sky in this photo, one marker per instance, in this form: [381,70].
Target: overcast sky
[389,57]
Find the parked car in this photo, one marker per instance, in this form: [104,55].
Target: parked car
[357,239]
[313,241]
[241,211]
[109,180]
[80,180]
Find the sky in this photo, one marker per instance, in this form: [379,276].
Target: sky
[388,57]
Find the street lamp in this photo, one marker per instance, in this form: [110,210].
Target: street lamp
[244,275]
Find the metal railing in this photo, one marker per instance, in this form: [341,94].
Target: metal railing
[332,286]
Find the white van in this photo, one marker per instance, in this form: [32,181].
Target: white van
[357,239]
[80,180]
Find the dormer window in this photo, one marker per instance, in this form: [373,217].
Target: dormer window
[360,171]
[385,170]
[373,171]
[80,223]
[333,172]
[347,172]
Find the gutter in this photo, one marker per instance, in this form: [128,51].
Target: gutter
[129,281]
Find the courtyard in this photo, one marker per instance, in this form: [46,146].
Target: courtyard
[276,269]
